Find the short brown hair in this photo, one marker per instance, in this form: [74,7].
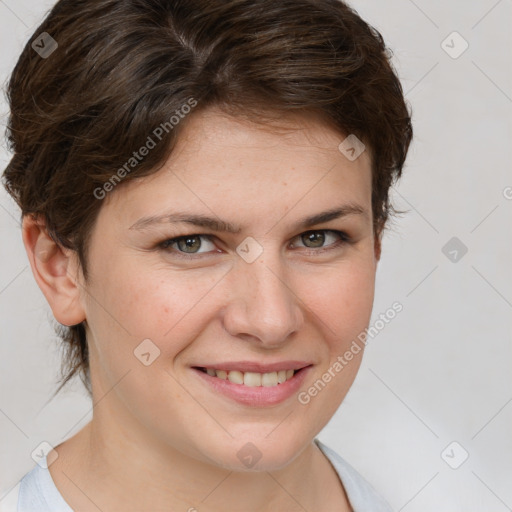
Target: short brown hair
[123,67]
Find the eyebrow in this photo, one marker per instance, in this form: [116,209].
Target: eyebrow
[216,224]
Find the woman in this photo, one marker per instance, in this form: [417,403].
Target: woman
[204,191]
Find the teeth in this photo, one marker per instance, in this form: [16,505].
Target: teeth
[252,379]
[269,379]
[236,377]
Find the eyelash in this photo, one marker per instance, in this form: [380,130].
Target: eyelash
[165,245]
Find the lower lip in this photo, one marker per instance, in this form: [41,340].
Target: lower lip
[258,396]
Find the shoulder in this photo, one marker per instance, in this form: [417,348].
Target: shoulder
[9,499]
[35,492]
[359,492]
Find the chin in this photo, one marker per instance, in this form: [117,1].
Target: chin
[255,454]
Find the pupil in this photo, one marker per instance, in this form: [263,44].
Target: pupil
[317,238]
[188,243]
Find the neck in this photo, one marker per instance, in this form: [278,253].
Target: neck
[116,471]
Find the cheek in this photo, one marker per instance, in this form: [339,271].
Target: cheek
[342,302]
[158,303]
[342,298]
[132,301]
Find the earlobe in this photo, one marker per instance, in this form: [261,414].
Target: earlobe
[55,270]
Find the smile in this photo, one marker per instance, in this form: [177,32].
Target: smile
[251,379]
[242,383]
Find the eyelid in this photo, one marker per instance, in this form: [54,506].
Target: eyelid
[344,238]
[180,254]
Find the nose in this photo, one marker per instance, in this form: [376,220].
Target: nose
[262,305]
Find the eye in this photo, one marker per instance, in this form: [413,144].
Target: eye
[318,238]
[188,244]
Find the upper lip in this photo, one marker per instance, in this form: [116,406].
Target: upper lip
[248,366]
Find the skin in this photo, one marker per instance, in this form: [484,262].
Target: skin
[160,439]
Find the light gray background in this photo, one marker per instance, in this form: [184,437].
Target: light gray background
[441,370]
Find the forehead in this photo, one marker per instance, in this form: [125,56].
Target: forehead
[223,164]
[212,128]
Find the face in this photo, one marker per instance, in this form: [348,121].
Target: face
[175,303]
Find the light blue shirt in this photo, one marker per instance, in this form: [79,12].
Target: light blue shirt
[36,491]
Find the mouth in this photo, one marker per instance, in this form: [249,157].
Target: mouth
[254,384]
[251,379]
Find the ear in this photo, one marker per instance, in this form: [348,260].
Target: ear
[56,271]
